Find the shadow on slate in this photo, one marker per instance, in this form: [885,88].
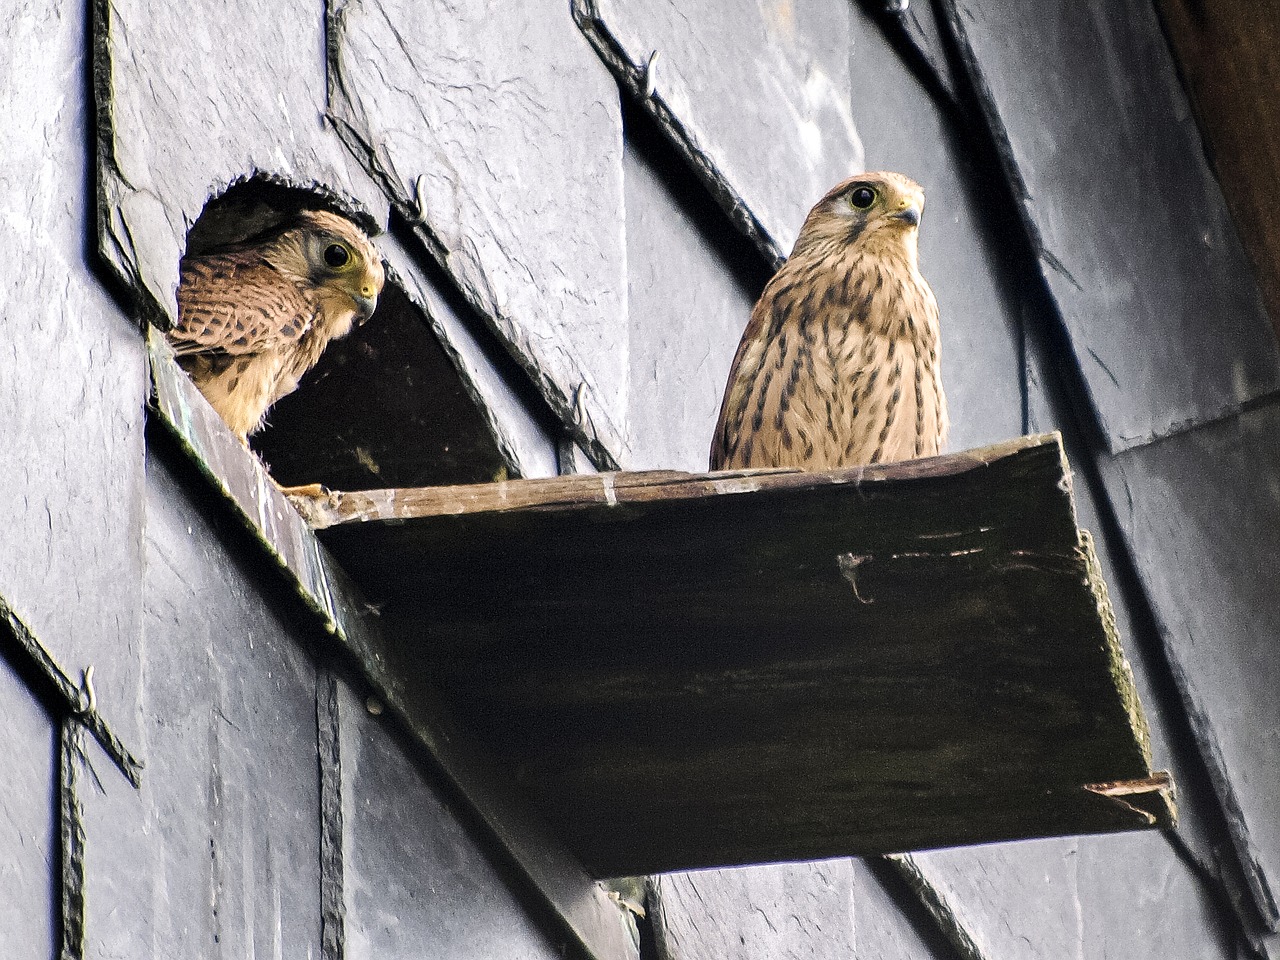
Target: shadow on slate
[687,671]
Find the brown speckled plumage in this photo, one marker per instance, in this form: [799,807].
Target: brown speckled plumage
[254,317]
[839,363]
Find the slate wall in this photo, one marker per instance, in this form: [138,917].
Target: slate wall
[583,200]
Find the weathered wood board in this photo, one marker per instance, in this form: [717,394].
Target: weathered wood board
[502,136]
[766,127]
[1173,747]
[1135,241]
[699,670]
[1039,900]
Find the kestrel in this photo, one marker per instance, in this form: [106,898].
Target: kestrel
[838,366]
[255,316]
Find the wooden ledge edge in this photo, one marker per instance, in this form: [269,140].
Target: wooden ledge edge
[1150,798]
[326,508]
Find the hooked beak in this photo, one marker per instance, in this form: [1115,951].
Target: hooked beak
[909,214]
[365,307]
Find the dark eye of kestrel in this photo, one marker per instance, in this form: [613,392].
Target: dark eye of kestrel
[839,363]
[255,316]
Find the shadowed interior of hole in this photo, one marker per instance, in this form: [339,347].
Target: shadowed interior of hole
[254,205]
[385,406]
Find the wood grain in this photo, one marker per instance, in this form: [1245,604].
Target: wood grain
[685,670]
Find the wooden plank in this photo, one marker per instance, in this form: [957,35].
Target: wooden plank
[1134,239]
[699,670]
[1137,897]
[1201,826]
[611,489]
[1227,52]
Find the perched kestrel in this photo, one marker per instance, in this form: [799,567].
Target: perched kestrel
[255,316]
[838,366]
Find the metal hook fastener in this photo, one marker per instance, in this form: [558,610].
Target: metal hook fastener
[650,77]
[88,699]
[420,199]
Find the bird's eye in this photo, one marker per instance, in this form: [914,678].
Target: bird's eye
[863,197]
[336,255]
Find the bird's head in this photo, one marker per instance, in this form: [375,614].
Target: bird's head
[872,209]
[335,257]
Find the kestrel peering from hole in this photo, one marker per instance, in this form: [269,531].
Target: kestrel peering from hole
[255,316]
[838,366]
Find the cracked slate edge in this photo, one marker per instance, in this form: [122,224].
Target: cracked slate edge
[1247,857]
[632,77]
[72,700]
[595,441]
[602,444]
[332,901]
[71,840]
[240,478]
[955,34]
[329,594]
[1226,875]
[420,294]
[108,178]
[948,922]
[114,242]
[1245,862]
[918,46]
